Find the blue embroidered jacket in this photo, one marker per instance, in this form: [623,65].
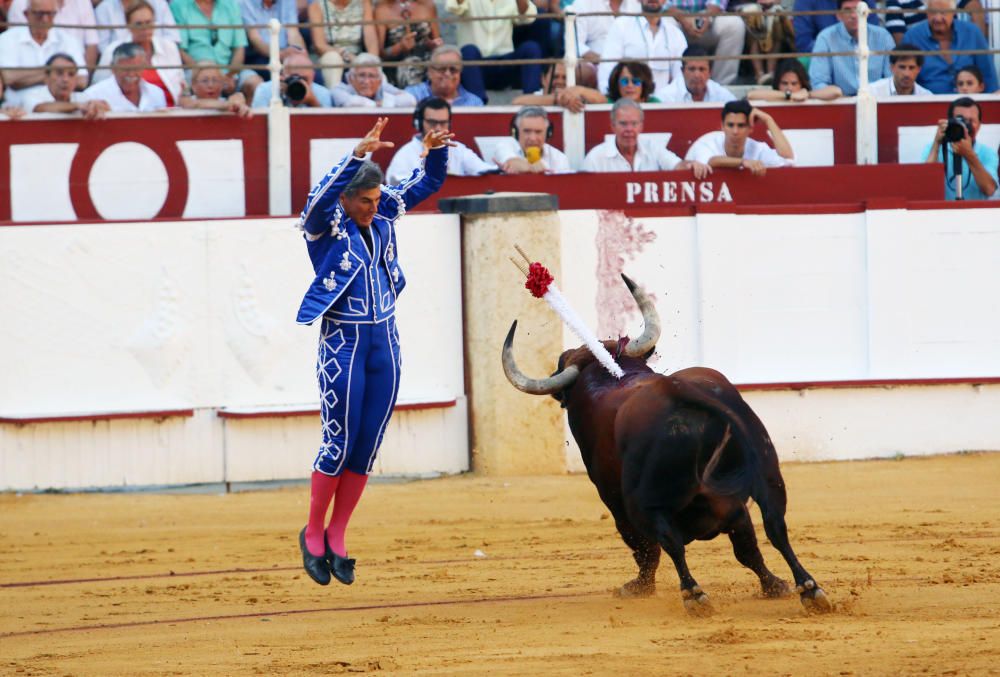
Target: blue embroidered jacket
[350,286]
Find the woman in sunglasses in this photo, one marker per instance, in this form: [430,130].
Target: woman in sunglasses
[554,92]
[631,80]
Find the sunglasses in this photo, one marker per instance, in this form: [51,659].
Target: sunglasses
[453,70]
[635,82]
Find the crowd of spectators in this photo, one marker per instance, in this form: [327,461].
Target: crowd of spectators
[644,50]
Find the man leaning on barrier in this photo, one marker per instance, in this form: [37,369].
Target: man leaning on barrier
[59,95]
[733,147]
[970,167]
[126,91]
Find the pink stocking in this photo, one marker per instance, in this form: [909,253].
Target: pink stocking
[348,495]
[323,488]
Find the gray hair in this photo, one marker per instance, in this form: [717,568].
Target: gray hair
[624,103]
[369,176]
[446,49]
[529,112]
[366,60]
[127,50]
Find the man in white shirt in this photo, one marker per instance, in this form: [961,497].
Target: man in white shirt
[31,46]
[733,147]
[68,13]
[696,85]
[591,31]
[127,91]
[527,152]
[493,40]
[646,38]
[627,151]
[434,113]
[59,95]
[905,69]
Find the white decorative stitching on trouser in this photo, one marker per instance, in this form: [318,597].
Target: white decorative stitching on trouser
[331,341]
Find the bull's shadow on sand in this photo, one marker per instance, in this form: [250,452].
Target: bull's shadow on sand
[675,458]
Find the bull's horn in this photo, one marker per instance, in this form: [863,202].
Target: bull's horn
[534,386]
[638,347]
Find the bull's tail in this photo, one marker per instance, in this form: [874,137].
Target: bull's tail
[742,425]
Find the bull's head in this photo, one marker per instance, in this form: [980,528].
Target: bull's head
[571,361]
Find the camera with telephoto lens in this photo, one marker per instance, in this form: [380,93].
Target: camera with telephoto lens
[956,129]
[296,88]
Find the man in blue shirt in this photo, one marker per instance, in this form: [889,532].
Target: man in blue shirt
[808,27]
[842,71]
[978,162]
[444,79]
[940,31]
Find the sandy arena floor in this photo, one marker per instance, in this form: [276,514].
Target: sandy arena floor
[909,551]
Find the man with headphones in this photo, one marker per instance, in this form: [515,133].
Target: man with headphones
[527,151]
[434,114]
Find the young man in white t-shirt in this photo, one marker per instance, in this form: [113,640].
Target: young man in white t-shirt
[733,147]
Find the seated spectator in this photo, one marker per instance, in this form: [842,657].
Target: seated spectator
[733,147]
[632,80]
[651,38]
[411,35]
[59,94]
[905,70]
[940,31]
[768,34]
[842,71]
[979,170]
[808,27]
[298,87]
[159,52]
[969,80]
[430,114]
[29,47]
[257,12]
[127,91]
[723,35]
[494,41]
[903,14]
[696,84]
[527,151]
[591,32]
[366,87]
[444,79]
[339,39]
[68,13]
[112,13]
[791,83]
[554,92]
[206,92]
[627,151]
[225,46]
[11,112]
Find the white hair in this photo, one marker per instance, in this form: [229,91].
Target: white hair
[366,60]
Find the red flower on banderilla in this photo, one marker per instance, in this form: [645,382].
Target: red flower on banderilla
[539,279]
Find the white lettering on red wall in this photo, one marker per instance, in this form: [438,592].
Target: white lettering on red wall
[676,192]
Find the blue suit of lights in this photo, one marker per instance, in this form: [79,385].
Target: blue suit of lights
[354,295]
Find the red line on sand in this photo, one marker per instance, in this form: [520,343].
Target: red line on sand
[297,612]
[171,574]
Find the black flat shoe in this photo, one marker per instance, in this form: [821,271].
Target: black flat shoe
[342,568]
[316,567]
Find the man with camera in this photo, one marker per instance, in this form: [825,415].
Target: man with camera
[970,168]
[298,89]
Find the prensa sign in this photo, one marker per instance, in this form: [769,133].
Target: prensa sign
[665,192]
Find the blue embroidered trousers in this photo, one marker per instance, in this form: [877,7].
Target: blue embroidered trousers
[358,373]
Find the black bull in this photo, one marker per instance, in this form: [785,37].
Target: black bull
[675,458]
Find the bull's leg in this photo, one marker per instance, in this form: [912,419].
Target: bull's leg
[773,512]
[695,600]
[748,554]
[646,554]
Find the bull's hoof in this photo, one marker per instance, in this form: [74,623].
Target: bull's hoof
[636,588]
[696,602]
[774,587]
[813,598]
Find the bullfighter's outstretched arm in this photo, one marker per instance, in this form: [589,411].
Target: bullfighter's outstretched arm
[427,180]
[323,197]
